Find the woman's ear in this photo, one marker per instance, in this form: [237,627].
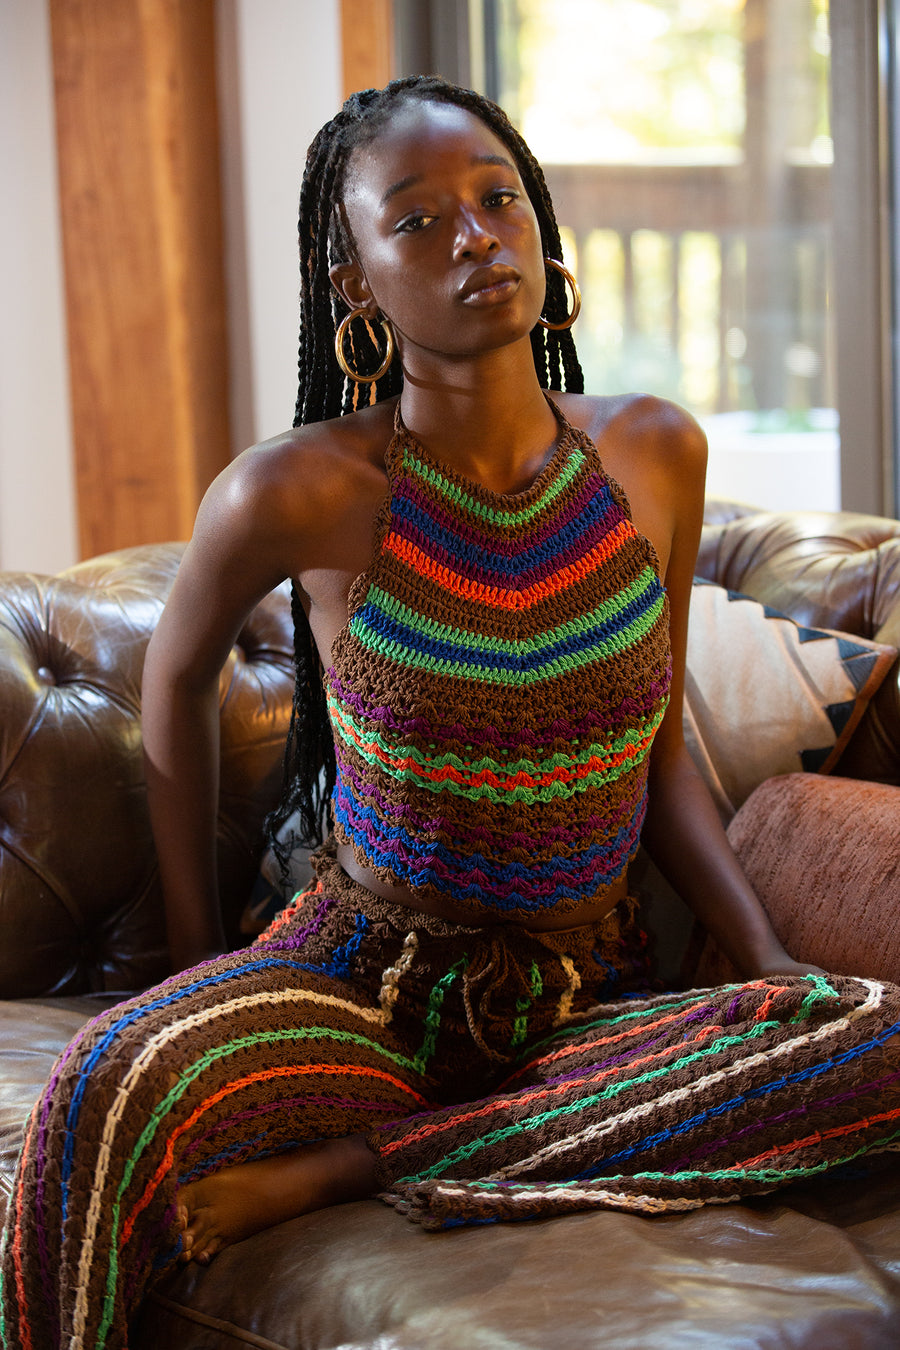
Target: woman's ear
[351,286]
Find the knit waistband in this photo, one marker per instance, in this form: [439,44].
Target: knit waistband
[503,982]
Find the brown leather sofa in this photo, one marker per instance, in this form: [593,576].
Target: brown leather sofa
[81,921]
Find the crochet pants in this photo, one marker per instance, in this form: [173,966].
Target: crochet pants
[350,1015]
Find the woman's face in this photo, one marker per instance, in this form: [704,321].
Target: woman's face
[448,242]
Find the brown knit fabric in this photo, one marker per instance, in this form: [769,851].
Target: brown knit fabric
[347,1012]
[664,1105]
[496,692]
[487,1067]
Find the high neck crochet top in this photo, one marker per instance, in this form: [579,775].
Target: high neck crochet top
[496,691]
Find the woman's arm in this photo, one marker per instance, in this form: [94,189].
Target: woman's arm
[181,753]
[685,838]
[236,556]
[683,833]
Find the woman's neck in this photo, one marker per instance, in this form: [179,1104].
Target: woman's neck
[486,418]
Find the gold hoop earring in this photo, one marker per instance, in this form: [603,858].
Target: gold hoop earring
[339,347]
[576,297]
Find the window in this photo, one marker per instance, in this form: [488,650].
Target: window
[715,168]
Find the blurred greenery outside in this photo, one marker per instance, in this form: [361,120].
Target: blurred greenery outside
[663,84]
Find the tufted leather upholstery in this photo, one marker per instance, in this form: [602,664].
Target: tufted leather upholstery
[834,569]
[78,877]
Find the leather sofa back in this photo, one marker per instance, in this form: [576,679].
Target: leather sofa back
[80,903]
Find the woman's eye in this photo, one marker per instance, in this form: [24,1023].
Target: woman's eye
[412,224]
[502,197]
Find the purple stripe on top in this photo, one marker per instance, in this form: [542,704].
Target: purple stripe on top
[471,557]
[583,497]
[642,703]
[475,837]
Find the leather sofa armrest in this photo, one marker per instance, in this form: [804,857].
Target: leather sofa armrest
[822,855]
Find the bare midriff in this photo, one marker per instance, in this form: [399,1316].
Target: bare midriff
[444,908]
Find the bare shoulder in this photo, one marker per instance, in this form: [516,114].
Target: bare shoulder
[640,425]
[647,414]
[287,493]
[302,502]
[306,470]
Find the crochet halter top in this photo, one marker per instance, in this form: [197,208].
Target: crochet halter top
[496,691]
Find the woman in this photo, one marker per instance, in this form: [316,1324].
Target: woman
[456,1014]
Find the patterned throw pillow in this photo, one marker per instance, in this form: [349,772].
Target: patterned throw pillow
[765,695]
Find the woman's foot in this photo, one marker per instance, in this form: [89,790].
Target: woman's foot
[235,1202]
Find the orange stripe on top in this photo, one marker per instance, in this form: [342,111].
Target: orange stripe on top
[288,1070]
[488,777]
[501,597]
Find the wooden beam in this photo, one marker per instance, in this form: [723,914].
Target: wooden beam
[137,136]
[367,44]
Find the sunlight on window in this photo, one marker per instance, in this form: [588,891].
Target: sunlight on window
[645,81]
[687,147]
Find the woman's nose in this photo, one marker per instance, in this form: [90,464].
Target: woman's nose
[474,238]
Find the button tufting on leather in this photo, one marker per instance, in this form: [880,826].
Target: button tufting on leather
[77,863]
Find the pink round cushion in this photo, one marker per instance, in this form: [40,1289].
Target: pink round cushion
[823,855]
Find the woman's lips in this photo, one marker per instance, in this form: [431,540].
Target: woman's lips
[490,288]
[491,295]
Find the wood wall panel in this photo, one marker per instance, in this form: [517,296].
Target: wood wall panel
[367,44]
[137,135]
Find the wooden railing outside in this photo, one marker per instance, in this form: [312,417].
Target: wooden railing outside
[706,270]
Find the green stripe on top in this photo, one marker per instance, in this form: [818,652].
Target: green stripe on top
[614,763]
[528,796]
[476,669]
[374,747]
[467,502]
[568,654]
[605,612]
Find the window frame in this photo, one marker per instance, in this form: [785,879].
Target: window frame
[862,55]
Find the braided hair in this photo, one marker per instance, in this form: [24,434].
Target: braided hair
[324,391]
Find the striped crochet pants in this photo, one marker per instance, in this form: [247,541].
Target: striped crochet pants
[350,1015]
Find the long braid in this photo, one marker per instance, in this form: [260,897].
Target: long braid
[323,391]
